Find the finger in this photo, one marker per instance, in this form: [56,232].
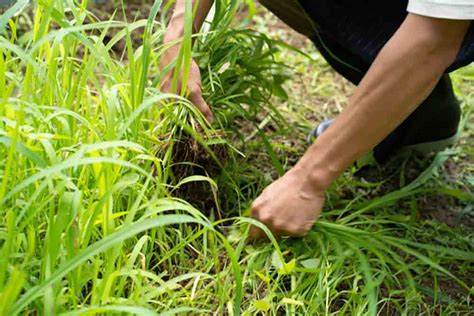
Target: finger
[256,233]
[196,98]
[291,228]
[166,85]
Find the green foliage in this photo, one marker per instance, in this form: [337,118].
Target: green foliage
[93,219]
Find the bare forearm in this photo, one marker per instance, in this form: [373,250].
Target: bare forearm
[176,26]
[402,76]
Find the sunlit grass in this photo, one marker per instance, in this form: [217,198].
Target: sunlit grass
[92,216]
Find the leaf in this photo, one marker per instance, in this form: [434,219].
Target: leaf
[99,247]
[16,9]
[11,291]
[273,157]
[262,276]
[279,92]
[70,163]
[281,266]
[291,301]
[25,151]
[111,309]
[312,263]
[197,178]
[262,305]
[287,267]
[276,260]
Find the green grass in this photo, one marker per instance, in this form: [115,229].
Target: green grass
[104,209]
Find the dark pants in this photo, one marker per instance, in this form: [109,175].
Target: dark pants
[436,118]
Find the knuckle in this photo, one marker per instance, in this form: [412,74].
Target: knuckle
[192,96]
[279,225]
[255,208]
[205,110]
[256,204]
[308,227]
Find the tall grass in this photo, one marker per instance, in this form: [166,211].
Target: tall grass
[92,219]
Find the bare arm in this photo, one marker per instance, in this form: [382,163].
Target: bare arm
[174,33]
[175,28]
[402,76]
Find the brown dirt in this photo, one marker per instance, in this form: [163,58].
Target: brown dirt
[444,209]
[448,289]
[191,158]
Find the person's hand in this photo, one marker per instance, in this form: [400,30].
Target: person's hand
[289,206]
[194,92]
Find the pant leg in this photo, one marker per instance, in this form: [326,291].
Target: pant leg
[344,62]
[291,12]
[436,118]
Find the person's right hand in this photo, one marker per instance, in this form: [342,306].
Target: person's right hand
[290,205]
[193,91]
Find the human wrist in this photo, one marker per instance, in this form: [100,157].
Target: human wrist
[317,170]
[172,41]
[318,179]
[175,29]
[314,179]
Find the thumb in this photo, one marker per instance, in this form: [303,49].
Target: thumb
[196,98]
[257,234]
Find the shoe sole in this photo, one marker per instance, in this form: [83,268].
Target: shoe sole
[431,147]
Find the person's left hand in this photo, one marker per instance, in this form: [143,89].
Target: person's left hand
[289,206]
